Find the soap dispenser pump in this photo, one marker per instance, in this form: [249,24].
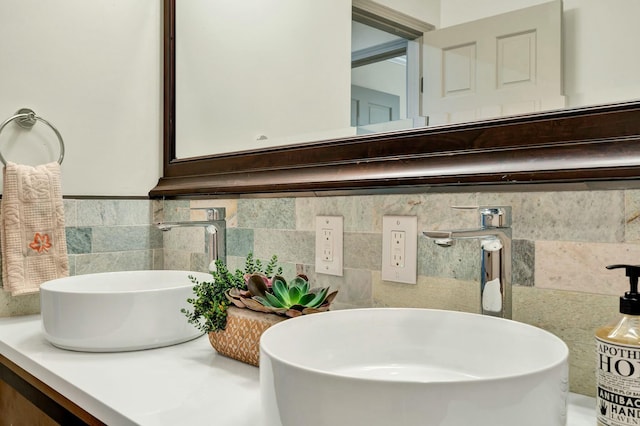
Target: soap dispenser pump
[618,360]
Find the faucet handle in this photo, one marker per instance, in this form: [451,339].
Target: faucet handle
[213,213]
[491,216]
[495,217]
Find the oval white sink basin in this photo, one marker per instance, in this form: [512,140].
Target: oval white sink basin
[118,311]
[411,367]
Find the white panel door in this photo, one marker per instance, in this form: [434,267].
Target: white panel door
[502,65]
[370,106]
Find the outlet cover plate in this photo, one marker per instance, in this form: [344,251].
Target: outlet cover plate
[329,245]
[400,254]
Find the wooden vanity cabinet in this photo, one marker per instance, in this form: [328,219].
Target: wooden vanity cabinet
[27,401]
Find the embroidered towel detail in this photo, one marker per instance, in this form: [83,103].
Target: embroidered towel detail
[34,246]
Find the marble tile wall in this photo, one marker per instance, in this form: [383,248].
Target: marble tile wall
[562,241]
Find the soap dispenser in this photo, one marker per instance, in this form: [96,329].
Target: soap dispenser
[618,360]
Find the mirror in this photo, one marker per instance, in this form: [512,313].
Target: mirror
[415,157]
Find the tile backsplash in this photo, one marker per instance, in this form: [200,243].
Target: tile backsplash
[562,242]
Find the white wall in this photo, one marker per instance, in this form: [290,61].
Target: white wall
[93,69]
[251,68]
[602,63]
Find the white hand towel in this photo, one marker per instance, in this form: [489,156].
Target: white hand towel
[34,246]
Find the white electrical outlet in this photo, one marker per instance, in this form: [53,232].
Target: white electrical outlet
[400,249]
[329,245]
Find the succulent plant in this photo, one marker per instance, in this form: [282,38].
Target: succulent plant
[276,295]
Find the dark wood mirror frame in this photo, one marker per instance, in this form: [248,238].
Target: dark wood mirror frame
[585,148]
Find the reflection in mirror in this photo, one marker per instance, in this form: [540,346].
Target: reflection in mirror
[378,83]
[286,77]
[501,65]
[499,58]
[385,62]
[262,74]
[259,72]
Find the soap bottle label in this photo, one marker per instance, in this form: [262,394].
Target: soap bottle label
[618,384]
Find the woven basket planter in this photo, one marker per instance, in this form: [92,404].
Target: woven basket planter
[241,338]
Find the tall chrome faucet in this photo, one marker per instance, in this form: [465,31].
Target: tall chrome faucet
[494,234]
[215,228]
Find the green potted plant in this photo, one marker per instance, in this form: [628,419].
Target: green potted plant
[236,308]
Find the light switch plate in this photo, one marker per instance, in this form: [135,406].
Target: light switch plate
[329,245]
[400,249]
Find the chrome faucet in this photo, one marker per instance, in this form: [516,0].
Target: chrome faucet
[215,228]
[494,234]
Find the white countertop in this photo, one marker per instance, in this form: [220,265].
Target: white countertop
[184,384]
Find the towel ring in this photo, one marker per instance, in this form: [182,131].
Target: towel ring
[26,118]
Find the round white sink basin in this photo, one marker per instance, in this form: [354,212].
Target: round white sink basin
[411,367]
[118,311]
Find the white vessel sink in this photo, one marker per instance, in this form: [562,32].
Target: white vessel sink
[118,311]
[411,367]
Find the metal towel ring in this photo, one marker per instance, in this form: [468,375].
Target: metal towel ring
[27,118]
